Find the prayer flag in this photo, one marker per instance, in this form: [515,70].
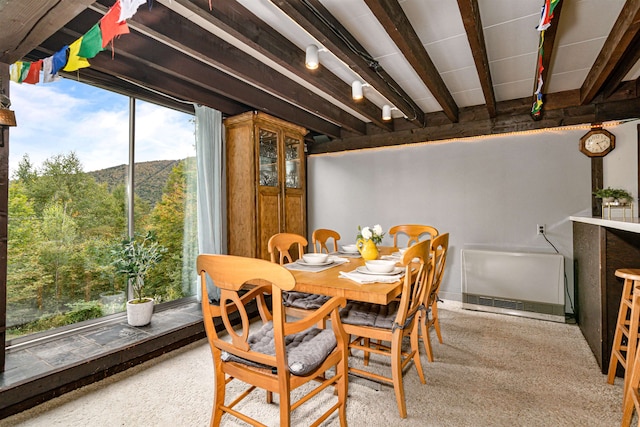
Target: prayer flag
[91,43]
[33,76]
[47,75]
[110,25]
[59,60]
[545,16]
[14,73]
[128,8]
[24,70]
[75,62]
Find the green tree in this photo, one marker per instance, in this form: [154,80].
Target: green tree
[62,224]
[174,222]
[59,234]
[25,172]
[23,269]
[61,220]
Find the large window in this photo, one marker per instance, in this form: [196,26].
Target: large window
[68,202]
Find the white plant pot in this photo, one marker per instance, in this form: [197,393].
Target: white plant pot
[139,314]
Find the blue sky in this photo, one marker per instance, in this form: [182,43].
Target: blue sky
[64,116]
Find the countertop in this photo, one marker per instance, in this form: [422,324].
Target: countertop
[629,224]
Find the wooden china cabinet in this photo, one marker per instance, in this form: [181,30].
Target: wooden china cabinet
[266,188]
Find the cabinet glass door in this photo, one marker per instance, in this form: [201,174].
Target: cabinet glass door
[268,158]
[292,156]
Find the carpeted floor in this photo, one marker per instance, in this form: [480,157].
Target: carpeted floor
[492,370]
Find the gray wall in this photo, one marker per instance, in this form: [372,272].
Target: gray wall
[486,192]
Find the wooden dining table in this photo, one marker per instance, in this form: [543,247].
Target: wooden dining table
[328,282]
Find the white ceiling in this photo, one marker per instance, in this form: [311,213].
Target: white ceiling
[510,37]
[170,54]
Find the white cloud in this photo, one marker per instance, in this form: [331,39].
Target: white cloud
[66,116]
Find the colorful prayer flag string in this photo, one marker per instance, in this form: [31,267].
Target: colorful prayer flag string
[76,55]
[546,16]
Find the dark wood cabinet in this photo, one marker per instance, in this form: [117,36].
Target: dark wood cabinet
[598,251]
[266,185]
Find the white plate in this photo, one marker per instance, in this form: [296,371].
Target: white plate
[349,253]
[365,270]
[319,264]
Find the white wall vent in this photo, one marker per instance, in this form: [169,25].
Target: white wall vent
[517,283]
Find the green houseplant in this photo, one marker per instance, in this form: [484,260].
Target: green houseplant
[134,258]
[609,195]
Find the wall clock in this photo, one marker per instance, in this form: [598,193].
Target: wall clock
[597,143]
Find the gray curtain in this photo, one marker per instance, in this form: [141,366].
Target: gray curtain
[209,156]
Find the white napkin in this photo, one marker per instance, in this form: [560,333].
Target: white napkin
[398,257]
[370,278]
[337,259]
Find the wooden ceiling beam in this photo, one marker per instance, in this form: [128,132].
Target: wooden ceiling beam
[398,27]
[138,49]
[630,57]
[173,30]
[38,20]
[324,27]
[139,80]
[234,19]
[128,78]
[619,41]
[470,13]
[512,116]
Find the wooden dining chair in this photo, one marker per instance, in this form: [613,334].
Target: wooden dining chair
[412,231]
[278,357]
[321,237]
[279,245]
[391,323]
[428,316]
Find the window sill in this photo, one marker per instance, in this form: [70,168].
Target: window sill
[49,365]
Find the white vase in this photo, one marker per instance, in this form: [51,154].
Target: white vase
[607,200]
[139,314]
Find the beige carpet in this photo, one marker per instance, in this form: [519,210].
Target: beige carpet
[492,370]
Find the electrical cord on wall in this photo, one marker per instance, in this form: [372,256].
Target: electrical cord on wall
[566,280]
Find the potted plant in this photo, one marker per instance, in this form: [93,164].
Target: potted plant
[610,195]
[134,258]
[623,196]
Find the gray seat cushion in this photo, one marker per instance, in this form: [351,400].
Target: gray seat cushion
[303,300]
[305,350]
[368,314]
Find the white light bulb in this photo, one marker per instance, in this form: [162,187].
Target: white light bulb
[311,59]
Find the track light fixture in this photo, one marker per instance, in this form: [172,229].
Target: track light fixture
[386,111]
[311,60]
[356,89]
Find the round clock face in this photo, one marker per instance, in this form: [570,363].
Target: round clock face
[597,143]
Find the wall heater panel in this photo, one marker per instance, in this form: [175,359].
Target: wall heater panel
[518,283]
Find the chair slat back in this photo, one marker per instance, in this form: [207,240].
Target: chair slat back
[415,286]
[439,250]
[413,232]
[232,274]
[320,238]
[279,245]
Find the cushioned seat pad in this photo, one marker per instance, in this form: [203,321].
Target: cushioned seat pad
[305,350]
[303,300]
[368,314]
